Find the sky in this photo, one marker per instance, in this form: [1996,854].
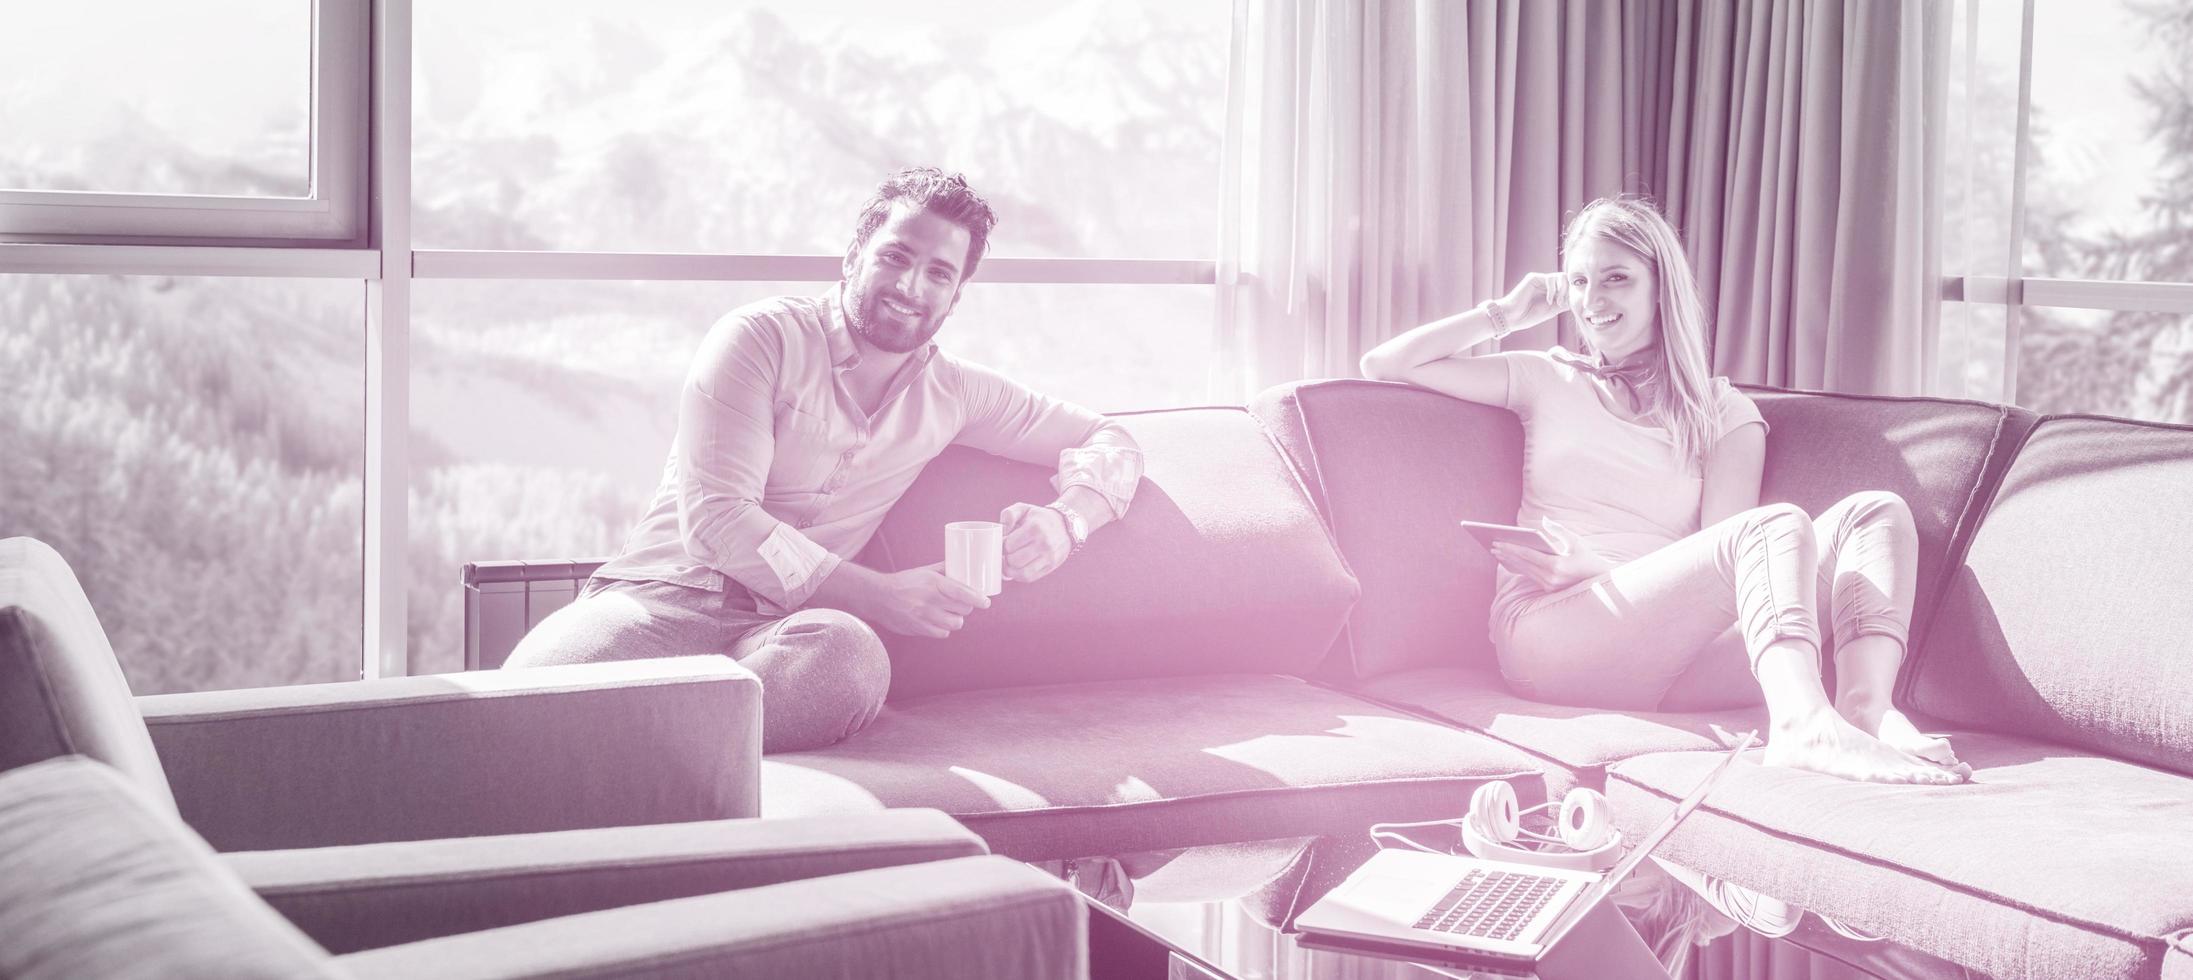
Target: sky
[2094,135]
[2084,56]
[73,71]
[201,67]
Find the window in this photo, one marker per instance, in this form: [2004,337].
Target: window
[88,78]
[1976,189]
[591,187]
[193,448]
[1112,348]
[2088,307]
[541,415]
[223,119]
[2114,362]
[542,411]
[760,127]
[1971,343]
[2109,187]
[542,408]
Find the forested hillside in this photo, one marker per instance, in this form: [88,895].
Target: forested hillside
[193,450]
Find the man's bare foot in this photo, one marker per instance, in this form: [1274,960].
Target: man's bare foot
[1884,722]
[1826,742]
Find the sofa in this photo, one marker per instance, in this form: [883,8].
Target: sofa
[1286,637]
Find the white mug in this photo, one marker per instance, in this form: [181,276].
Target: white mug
[974,555]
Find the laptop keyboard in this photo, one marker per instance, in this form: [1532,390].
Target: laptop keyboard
[1490,904]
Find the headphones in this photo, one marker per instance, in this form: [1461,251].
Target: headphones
[1584,838]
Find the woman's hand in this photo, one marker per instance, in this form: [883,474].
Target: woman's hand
[1538,297]
[1574,564]
[1435,355]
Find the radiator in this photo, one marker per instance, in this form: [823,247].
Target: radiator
[504,599]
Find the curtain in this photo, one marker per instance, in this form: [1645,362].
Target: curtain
[1388,162]
[1806,182]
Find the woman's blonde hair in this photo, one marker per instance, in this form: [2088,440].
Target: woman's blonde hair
[1683,405]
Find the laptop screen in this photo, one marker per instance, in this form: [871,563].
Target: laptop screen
[1637,855]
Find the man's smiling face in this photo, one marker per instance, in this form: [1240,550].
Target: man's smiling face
[904,280]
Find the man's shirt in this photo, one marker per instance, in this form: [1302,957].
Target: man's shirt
[777,474]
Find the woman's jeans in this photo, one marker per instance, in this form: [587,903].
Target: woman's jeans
[1681,629]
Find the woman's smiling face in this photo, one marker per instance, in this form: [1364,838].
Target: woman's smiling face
[1613,294]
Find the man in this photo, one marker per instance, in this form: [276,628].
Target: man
[801,421]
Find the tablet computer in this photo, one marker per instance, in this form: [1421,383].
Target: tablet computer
[1521,537]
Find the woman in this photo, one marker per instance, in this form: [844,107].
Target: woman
[1677,589]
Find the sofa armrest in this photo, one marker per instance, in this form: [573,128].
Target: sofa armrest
[971,918]
[457,755]
[371,895]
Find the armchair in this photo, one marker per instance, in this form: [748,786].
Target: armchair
[604,813]
[96,879]
[407,758]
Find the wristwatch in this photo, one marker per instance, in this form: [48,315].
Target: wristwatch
[1077,528]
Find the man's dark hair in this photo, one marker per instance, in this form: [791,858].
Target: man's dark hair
[945,195]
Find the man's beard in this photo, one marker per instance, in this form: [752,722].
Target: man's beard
[883,338]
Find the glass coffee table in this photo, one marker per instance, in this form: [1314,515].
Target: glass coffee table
[1225,913]
[1222,913]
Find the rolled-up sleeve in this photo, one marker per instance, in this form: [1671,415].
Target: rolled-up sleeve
[1008,419]
[726,444]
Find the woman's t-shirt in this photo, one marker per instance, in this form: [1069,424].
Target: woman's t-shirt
[1617,483]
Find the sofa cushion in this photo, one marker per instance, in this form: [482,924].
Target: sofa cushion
[1392,467]
[2068,619]
[61,690]
[1220,566]
[96,880]
[1942,456]
[1582,741]
[1134,765]
[2050,863]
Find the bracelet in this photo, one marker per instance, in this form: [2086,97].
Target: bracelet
[1500,327]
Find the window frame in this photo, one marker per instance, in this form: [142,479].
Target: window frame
[360,229]
[2013,290]
[333,209]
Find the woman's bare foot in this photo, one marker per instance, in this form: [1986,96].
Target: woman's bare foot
[1884,722]
[1826,742]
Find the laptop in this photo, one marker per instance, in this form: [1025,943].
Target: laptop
[1469,911]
